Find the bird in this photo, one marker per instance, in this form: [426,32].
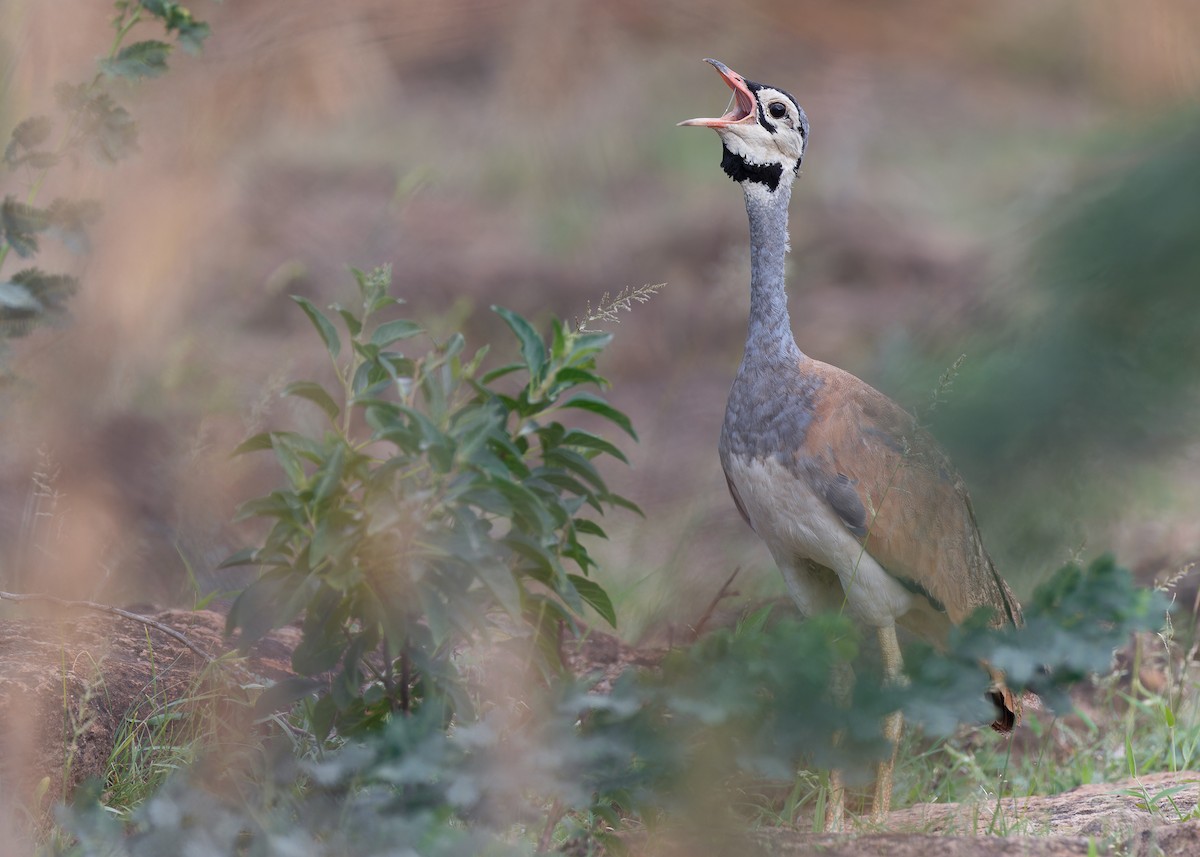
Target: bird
[859,507]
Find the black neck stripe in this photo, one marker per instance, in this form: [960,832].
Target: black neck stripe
[736,167]
[762,117]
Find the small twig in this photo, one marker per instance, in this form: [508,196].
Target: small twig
[115,611]
[609,307]
[405,680]
[722,593]
[944,384]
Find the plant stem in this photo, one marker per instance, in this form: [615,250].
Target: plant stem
[123,30]
[388,676]
[405,679]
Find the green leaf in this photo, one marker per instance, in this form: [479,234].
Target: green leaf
[32,132]
[393,331]
[322,645]
[533,350]
[20,223]
[158,8]
[272,601]
[109,129]
[529,511]
[329,334]
[558,340]
[330,473]
[246,556]
[499,580]
[584,345]
[500,372]
[51,290]
[597,405]
[571,376]
[542,564]
[352,322]
[322,716]
[177,19]
[569,459]
[277,504]
[625,503]
[29,134]
[587,440]
[370,380]
[316,394]
[33,297]
[141,59]
[191,35]
[287,456]
[594,594]
[257,443]
[591,528]
[565,482]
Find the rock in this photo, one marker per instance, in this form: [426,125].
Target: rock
[1102,818]
[1095,810]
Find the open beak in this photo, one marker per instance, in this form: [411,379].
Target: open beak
[743,107]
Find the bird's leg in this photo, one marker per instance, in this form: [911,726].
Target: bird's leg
[893,724]
[835,804]
[842,684]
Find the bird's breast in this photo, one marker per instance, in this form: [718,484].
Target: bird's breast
[769,413]
[797,524]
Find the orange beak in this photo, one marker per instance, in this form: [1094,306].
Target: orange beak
[741,112]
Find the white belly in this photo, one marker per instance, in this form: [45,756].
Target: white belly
[798,525]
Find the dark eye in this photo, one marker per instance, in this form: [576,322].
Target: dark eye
[778,110]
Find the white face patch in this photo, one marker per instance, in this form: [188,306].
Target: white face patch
[775,135]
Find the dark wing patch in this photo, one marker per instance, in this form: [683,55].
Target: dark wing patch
[839,492]
[917,589]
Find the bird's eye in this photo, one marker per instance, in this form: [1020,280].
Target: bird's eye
[778,110]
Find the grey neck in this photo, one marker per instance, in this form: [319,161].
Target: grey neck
[769,339]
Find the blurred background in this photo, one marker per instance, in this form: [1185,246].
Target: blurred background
[1016,182]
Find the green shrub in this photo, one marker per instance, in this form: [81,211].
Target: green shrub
[435,508]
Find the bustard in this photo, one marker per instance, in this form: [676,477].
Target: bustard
[860,509]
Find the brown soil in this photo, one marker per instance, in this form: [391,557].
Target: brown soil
[68,686]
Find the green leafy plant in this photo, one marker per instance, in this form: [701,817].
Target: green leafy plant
[90,121]
[439,503]
[669,748]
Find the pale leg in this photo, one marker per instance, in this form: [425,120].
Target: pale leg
[835,806]
[893,725]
